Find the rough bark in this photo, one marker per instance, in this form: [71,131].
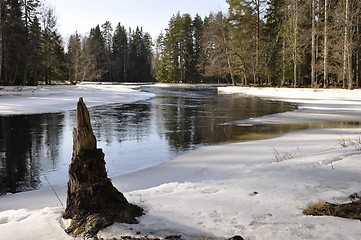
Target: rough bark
[325,47]
[295,43]
[93,202]
[346,76]
[313,44]
[1,40]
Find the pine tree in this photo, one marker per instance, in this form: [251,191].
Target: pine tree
[215,49]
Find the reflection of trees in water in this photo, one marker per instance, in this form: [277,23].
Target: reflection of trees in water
[121,122]
[29,145]
[199,118]
[182,118]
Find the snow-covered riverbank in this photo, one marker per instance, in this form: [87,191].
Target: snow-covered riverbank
[254,189]
[45,99]
[315,105]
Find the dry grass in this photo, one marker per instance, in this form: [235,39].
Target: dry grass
[356,142]
[175,237]
[350,210]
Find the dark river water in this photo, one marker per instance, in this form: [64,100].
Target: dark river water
[36,149]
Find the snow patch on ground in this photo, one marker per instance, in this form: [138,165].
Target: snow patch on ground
[255,189]
[45,99]
[315,105]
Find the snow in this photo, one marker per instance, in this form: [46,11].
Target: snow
[255,189]
[315,105]
[45,99]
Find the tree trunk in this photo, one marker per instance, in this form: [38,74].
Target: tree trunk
[313,48]
[283,62]
[228,59]
[346,52]
[295,42]
[325,48]
[350,44]
[1,41]
[92,202]
[358,47]
[258,5]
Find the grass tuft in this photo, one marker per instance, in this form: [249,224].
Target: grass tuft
[350,210]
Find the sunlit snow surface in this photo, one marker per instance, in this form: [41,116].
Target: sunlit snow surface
[245,189]
[46,99]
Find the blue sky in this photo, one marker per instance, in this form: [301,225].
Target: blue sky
[152,15]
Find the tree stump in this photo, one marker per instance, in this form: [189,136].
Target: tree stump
[93,202]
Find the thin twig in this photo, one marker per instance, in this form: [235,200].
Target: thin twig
[53,190]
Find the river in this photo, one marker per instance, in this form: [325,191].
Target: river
[35,150]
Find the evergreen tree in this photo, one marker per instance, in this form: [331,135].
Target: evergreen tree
[14,44]
[181,48]
[244,25]
[139,57]
[274,41]
[30,9]
[120,54]
[74,58]
[54,63]
[107,36]
[96,45]
[198,64]
[35,56]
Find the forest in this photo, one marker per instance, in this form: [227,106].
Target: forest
[294,43]
[32,51]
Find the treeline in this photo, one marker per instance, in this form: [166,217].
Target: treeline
[315,43]
[299,43]
[32,51]
[112,56]
[30,47]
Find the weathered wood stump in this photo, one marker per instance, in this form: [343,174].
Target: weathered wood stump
[93,202]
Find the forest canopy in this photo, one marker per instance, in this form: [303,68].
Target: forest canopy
[313,43]
[298,43]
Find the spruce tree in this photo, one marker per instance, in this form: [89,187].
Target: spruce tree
[198,63]
[139,56]
[96,45]
[35,56]
[14,44]
[54,62]
[120,54]
[107,32]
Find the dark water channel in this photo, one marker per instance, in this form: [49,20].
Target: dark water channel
[35,149]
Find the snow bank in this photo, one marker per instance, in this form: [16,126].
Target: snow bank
[245,189]
[45,99]
[254,189]
[315,105]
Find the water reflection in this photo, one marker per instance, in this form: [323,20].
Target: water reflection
[28,145]
[133,136]
[197,116]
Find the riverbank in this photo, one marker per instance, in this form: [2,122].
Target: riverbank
[254,189]
[315,105]
[59,98]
